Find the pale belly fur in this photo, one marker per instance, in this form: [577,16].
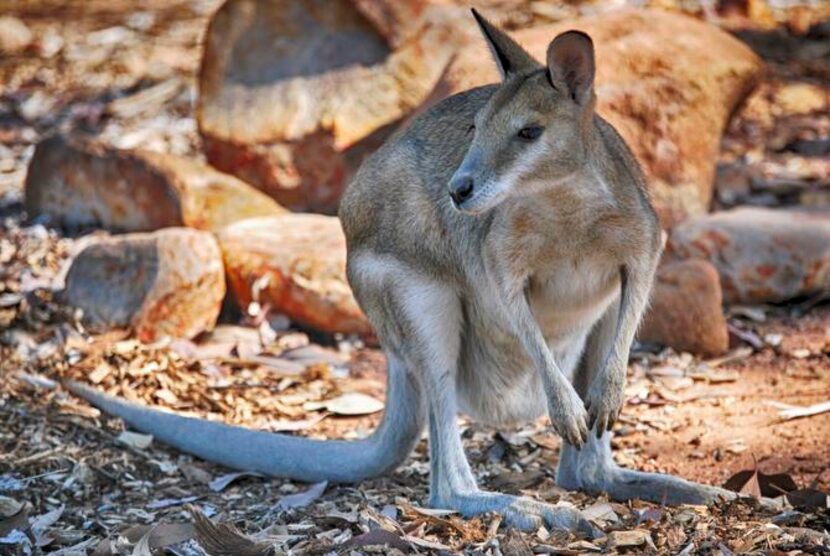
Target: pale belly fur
[496,381]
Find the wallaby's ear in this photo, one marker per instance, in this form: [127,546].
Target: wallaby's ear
[510,57]
[571,65]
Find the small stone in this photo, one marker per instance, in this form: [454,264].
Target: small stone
[166,283]
[685,311]
[762,255]
[773,339]
[15,36]
[80,184]
[801,353]
[801,98]
[135,440]
[304,257]
[627,539]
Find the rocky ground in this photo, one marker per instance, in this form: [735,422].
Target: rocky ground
[290,352]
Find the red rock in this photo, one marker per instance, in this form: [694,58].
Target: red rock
[686,312]
[165,283]
[762,255]
[292,96]
[667,82]
[84,184]
[302,260]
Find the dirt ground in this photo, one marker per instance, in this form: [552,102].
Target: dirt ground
[69,478]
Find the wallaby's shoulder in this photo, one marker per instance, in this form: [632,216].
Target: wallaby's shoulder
[630,179]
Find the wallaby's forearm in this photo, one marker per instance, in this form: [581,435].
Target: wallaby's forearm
[567,414]
[606,391]
[635,287]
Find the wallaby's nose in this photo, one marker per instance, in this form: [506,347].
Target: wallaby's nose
[461,188]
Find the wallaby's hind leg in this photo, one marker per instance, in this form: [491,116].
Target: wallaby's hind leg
[452,485]
[419,322]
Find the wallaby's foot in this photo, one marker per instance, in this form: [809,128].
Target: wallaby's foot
[627,484]
[592,469]
[520,512]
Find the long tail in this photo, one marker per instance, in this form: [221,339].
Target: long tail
[279,455]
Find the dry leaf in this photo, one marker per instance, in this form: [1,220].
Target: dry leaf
[135,440]
[9,507]
[515,545]
[42,523]
[795,412]
[635,537]
[220,539]
[432,512]
[350,403]
[221,483]
[99,374]
[302,499]
[512,483]
[601,512]
[379,537]
[168,502]
[756,484]
[195,474]
[809,498]
[160,536]
[10,484]
[142,547]
[18,521]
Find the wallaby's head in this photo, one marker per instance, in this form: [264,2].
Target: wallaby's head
[533,132]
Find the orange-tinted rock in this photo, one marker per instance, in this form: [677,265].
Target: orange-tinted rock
[667,82]
[762,255]
[165,283]
[294,93]
[84,184]
[299,264]
[686,312]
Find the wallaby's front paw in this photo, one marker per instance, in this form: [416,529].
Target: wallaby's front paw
[569,417]
[604,401]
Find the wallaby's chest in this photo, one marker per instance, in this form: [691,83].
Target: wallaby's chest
[571,294]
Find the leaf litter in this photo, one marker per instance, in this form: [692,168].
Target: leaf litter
[74,481]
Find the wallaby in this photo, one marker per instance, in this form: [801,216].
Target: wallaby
[503,247]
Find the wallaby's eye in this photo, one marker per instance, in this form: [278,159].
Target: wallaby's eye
[530,133]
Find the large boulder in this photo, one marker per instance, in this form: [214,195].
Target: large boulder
[81,184]
[667,82]
[165,283]
[296,264]
[294,93]
[762,255]
[686,312]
